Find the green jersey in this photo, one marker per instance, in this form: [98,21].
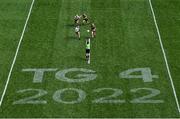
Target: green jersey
[88,46]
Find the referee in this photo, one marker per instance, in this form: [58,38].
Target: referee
[88,50]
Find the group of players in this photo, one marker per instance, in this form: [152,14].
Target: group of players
[85,20]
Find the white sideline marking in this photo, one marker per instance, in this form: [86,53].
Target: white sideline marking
[17,50]
[164,54]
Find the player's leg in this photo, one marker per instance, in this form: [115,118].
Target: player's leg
[94,34]
[79,35]
[87,54]
[89,58]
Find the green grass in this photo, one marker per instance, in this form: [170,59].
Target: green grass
[126,39]
[12,17]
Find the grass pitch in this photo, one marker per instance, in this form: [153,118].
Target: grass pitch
[50,77]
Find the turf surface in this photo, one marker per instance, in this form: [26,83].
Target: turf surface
[126,39]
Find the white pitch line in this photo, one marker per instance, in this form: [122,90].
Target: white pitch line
[17,50]
[164,54]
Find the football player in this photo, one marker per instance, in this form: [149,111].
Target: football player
[85,18]
[93,30]
[76,19]
[77,31]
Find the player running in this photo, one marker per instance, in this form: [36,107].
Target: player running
[93,30]
[88,50]
[76,19]
[77,31]
[85,18]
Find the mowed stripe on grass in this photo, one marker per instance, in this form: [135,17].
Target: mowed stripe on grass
[126,39]
[12,16]
[165,57]
[170,27]
[15,56]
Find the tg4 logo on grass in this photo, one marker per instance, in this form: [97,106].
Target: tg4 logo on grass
[85,76]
